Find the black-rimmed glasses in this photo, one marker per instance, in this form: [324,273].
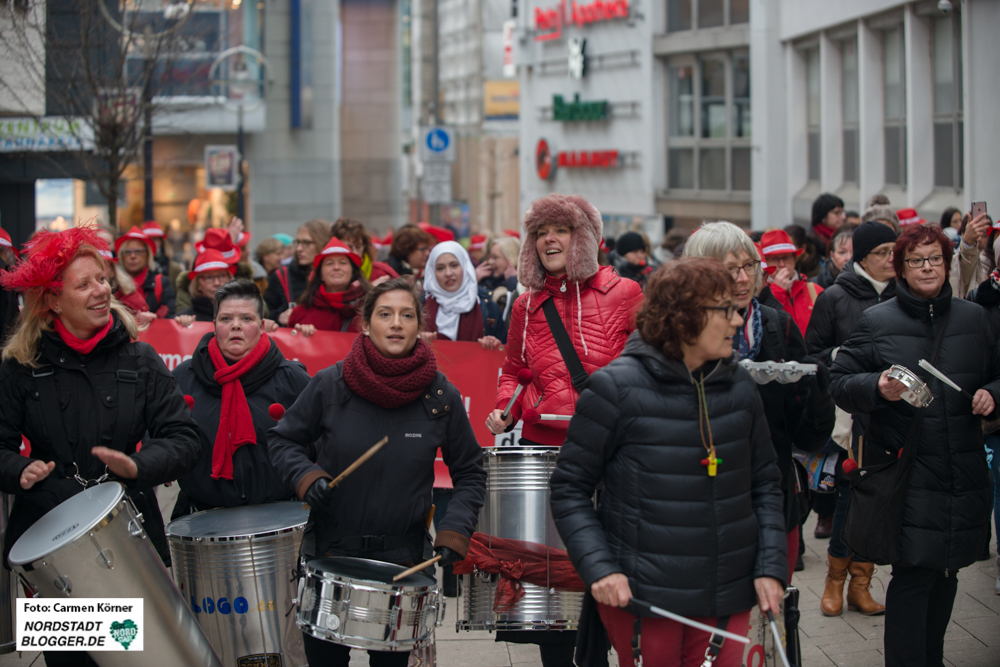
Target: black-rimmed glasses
[917,262]
[728,310]
[750,268]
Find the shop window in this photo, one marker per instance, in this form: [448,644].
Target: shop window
[894,97]
[688,14]
[709,121]
[813,99]
[850,108]
[948,130]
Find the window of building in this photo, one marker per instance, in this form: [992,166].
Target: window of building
[709,109]
[850,108]
[812,113]
[688,14]
[894,97]
[948,130]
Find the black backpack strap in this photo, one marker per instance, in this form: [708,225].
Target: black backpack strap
[566,349]
[128,377]
[772,334]
[46,382]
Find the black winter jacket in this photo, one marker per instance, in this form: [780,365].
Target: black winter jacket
[949,501]
[688,542]
[202,308]
[989,298]
[391,493]
[801,414]
[8,308]
[273,380]
[89,395]
[274,295]
[837,311]
[168,297]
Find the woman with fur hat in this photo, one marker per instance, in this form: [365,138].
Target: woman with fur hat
[77,385]
[558,265]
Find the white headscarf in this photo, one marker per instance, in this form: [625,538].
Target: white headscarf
[451,305]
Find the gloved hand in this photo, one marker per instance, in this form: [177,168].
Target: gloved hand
[319,496]
[821,381]
[448,557]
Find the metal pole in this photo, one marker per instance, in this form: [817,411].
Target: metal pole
[147,144]
[240,201]
[435,209]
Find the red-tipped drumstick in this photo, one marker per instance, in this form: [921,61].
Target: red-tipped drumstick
[190,401]
[532,416]
[276,411]
[524,378]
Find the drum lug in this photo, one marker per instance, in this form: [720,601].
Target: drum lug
[61,582]
[135,528]
[105,556]
[135,511]
[439,619]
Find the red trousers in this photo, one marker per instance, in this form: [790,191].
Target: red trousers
[793,551]
[667,643]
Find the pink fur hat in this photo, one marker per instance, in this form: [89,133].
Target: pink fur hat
[586,225]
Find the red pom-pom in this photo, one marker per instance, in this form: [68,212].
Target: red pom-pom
[531,416]
[190,401]
[276,411]
[850,465]
[524,377]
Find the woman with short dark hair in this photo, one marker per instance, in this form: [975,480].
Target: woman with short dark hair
[234,376]
[947,502]
[691,522]
[411,246]
[388,385]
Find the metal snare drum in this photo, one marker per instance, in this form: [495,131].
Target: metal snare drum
[917,393]
[93,546]
[237,568]
[355,602]
[517,507]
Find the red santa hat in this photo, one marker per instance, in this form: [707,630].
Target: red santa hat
[477,242]
[439,233]
[217,238]
[336,247]
[153,230]
[134,234]
[5,242]
[909,216]
[777,242]
[210,260]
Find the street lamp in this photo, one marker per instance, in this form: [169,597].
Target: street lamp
[247,91]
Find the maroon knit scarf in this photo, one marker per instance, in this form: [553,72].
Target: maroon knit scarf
[388,383]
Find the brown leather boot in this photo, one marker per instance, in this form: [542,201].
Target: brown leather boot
[858,597]
[832,603]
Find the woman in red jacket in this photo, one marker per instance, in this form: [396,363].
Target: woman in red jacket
[334,293]
[558,263]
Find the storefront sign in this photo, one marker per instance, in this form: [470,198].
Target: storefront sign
[546,160]
[577,110]
[509,68]
[577,58]
[549,22]
[222,167]
[19,135]
[502,99]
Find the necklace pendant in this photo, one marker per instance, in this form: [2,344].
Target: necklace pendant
[712,463]
[563,287]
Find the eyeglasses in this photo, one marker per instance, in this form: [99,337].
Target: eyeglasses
[728,310]
[304,242]
[882,254]
[131,253]
[751,269]
[423,248]
[221,278]
[917,262]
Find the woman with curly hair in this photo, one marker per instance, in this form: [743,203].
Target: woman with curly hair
[357,238]
[692,522]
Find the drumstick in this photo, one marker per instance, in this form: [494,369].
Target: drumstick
[861,449]
[926,365]
[416,568]
[524,378]
[357,464]
[777,639]
[694,624]
[532,416]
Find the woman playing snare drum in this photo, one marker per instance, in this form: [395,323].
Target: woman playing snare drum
[388,385]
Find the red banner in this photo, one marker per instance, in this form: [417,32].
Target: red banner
[468,366]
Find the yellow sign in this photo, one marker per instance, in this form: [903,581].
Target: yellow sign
[502,100]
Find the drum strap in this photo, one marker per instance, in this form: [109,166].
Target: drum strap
[578,375]
[127,375]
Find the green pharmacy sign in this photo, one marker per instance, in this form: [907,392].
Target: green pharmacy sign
[125,632]
[578,111]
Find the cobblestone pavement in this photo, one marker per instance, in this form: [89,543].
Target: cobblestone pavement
[851,640]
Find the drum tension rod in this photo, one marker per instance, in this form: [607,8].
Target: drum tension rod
[104,554]
[61,582]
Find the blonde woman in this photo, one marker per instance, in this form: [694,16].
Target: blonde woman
[77,385]
[501,285]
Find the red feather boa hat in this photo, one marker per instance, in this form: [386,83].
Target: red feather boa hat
[45,258]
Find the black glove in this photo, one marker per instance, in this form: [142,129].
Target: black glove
[319,496]
[821,381]
[448,557]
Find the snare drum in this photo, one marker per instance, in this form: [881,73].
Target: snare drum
[917,393]
[355,602]
[236,568]
[93,546]
[517,507]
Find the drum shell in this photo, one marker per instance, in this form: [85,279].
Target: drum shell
[172,633]
[257,568]
[366,614]
[517,508]
[8,588]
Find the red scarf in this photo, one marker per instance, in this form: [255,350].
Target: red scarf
[825,231]
[388,383]
[340,301]
[78,344]
[140,280]
[235,421]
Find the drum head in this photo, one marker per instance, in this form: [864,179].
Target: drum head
[65,522]
[237,522]
[361,569]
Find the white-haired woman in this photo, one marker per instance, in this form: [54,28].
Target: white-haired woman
[801,413]
[63,386]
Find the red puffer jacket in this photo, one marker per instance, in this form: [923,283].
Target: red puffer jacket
[799,304]
[598,319]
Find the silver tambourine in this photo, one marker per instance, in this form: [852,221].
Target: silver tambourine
[917,393]
[785,372]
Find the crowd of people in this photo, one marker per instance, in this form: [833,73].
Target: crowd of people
[703,477]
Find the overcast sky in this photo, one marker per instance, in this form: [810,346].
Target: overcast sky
[54,197]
